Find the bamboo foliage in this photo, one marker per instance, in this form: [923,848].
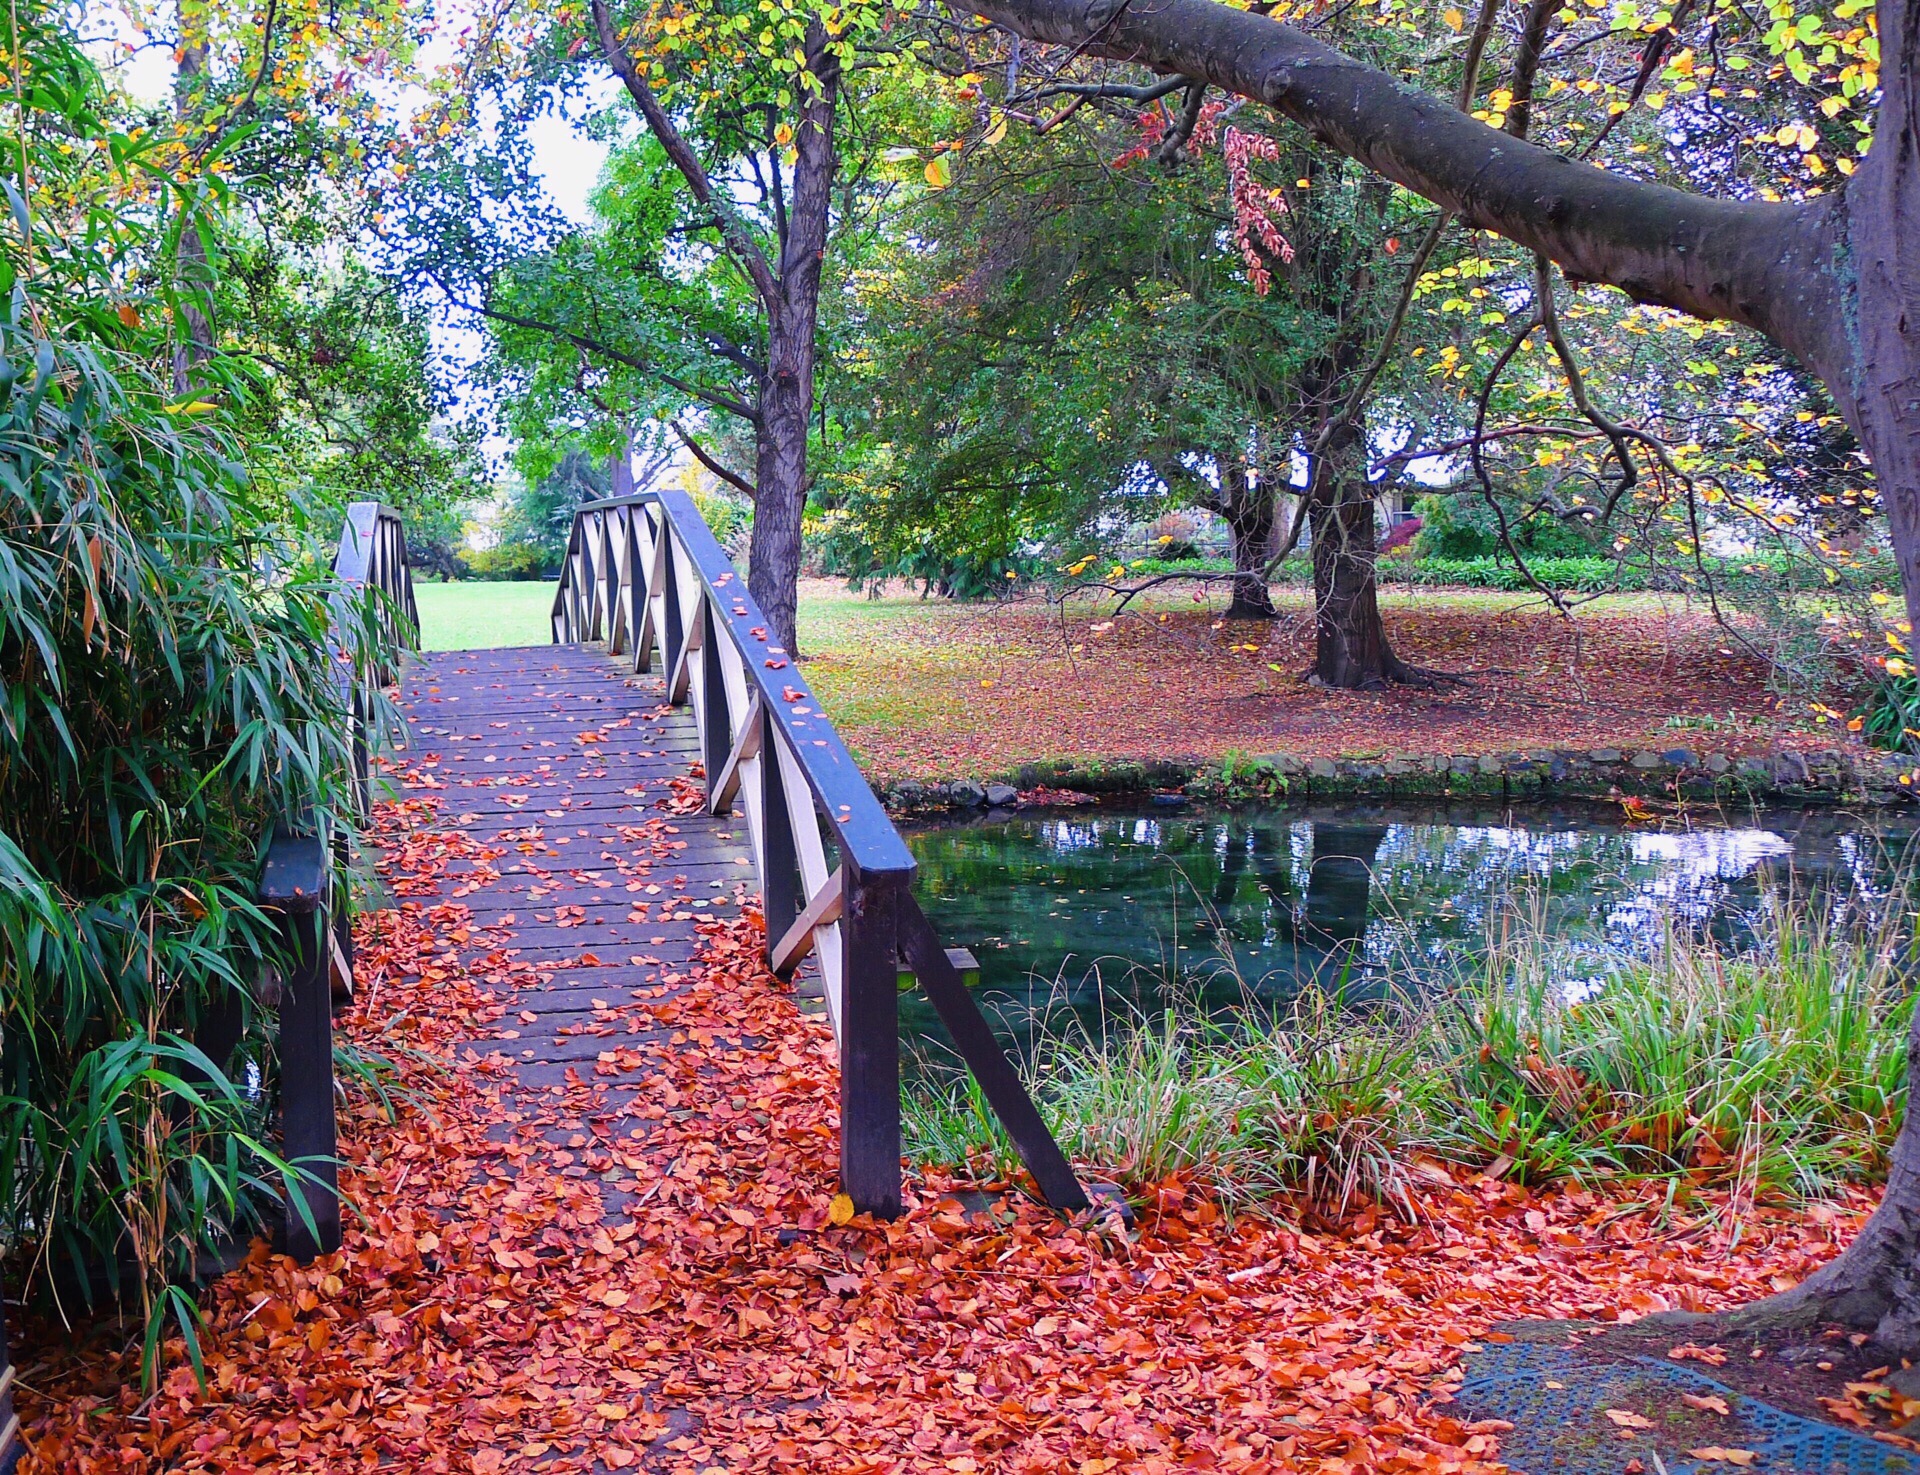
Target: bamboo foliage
[167,693]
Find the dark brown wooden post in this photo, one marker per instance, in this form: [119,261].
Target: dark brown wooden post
[11,1444]
[870,1044]
[295,885]
[362,757]
[713,698]
[779,891]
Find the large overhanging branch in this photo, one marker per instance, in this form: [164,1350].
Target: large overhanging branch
[1765,265]
[732,478]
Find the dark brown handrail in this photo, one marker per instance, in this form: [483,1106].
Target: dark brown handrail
[644,574]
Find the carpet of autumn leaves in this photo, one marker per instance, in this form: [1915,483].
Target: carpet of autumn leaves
[969,690]
[504,1306]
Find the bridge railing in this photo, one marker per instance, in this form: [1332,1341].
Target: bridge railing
[297,880]
[644,574]
[372,556]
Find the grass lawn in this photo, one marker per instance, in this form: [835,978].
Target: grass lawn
[475,616]
[934,689]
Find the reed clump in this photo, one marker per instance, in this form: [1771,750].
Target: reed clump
[1776,1068]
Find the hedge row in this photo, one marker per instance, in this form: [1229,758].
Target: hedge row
[1579,575]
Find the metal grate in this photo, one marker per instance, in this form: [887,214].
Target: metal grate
[1556,1401]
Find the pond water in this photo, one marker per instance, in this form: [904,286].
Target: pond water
[1096,909]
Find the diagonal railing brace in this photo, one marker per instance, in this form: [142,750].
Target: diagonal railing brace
[999,1081]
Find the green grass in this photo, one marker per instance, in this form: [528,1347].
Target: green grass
[1329,1100]
[477,616]
[1777,1070]
[843,626]
[1780,1067]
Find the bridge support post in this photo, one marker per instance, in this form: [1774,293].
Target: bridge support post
[295,884]
[870,1045]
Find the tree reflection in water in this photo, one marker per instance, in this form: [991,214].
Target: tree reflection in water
[1096,910]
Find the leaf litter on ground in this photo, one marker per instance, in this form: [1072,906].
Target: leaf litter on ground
[578,1276]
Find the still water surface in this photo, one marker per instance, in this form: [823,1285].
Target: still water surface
[1094,909]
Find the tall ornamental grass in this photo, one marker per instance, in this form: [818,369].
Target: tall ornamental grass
[1325,1096]
[1780,1065]
[167,693]
[1776,1068]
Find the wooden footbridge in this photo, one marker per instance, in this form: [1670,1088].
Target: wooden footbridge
[661,739]
[662,687]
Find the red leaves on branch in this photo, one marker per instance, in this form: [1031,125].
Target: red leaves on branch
[1255,205]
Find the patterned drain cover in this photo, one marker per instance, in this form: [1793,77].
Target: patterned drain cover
[1556,1402]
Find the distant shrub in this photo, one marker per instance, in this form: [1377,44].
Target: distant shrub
[1457,527]
[1890,717]
[1587,574]
[729,518]
[1146,568]
[509,561]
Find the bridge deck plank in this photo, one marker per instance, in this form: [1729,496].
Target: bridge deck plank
[574,834]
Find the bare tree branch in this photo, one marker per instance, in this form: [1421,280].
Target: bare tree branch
[732,478]
[1173,146]
[1649,64]
[1121,90]
[1466,442]
[245,105]
[1526,64]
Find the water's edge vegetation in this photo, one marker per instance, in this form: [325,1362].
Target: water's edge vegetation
[1776,1067]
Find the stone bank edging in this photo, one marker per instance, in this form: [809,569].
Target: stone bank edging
[1783,776]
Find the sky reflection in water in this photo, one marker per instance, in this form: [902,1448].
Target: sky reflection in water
[1091,909]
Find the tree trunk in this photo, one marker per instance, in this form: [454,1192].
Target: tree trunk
[780,474]
[1879,388]
[789,292]
[1874,1285]
[620,465]
[1350,642]
[1246,501]
[786,398]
